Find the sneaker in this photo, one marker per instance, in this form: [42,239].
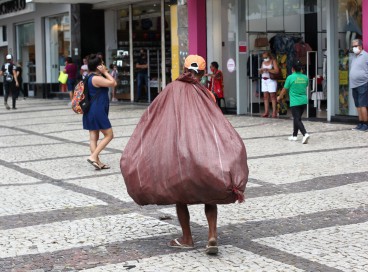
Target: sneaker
[114,100]
[69,104]
[7,106]
[305,138]
[14,108]
[357,127]
[363,128]
[293,138]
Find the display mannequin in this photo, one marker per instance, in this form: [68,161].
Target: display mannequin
[352,28]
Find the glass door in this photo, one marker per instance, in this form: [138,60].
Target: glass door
[58,45]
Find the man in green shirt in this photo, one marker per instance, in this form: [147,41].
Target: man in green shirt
[296,84]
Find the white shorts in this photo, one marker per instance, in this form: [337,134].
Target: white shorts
[269,85]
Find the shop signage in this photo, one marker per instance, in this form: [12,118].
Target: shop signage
[231,65]
[12,6]
[242,47]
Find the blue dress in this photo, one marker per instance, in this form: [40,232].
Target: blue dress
[97,116]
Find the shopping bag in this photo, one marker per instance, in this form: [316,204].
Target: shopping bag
[184,150]
[63,77]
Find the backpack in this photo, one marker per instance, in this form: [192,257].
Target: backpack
[81,101]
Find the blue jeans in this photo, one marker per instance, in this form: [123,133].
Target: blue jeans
[142,79]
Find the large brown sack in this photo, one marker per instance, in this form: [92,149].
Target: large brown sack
[184,150]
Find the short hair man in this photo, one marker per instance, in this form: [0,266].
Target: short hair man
[9,71]
[358,80]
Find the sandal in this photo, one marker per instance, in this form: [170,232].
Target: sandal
[176,244]
[212,248]
[104,166]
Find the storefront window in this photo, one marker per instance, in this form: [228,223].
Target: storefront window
[349,28]
[146,35]
[58,46]
[25,53]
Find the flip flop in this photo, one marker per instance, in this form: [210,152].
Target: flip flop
[212,248]
[176,244]
[95,164]
[104,166]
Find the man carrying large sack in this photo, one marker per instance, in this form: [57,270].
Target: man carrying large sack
[184,151]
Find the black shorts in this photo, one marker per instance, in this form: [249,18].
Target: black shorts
[360,95]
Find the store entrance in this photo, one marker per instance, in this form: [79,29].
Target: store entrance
[289,31]
[144,58]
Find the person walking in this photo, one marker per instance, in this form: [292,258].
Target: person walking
[296,84]
[269,86]
[96,120]
[358,80]
[142,76]
[217,82]
[20,89]
[71,70]
[9,71]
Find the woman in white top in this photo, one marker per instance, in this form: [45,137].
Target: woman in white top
[269,86]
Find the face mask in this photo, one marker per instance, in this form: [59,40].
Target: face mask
[356,50]
[212,70]
[266,59]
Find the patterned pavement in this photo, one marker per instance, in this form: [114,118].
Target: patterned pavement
[305,208]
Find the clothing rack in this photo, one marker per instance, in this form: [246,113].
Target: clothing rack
[316,73]
[251,78]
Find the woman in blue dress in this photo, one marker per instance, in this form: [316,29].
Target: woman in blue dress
[96,120]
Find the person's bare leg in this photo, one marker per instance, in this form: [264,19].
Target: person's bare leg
[266,104]
[211,214]
[364,114]
[94,136]
[71,96]
[360,114]
[184,220]
[108,136]
[274,104]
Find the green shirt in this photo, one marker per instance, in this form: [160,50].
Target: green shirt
[296,84]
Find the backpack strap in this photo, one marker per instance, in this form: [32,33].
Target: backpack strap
[86,86]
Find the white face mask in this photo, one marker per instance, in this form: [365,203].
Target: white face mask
[356,50]
[266,59]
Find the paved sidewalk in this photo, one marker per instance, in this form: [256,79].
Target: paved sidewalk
[305,208]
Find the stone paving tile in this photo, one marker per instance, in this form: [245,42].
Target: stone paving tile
[113,185]
[318,142]
[342,247]
[85,232]
[23,140]
[8,132]
[284,205]
[309,165]
[78,166]
[294,190]
[12,177]
[44,152]
[41,197]
[229,259]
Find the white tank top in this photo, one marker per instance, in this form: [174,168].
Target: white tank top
[269,67]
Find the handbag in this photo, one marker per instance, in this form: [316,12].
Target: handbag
[276,76]
[261,41]
[63,77]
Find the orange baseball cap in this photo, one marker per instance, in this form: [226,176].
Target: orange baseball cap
[195,62]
